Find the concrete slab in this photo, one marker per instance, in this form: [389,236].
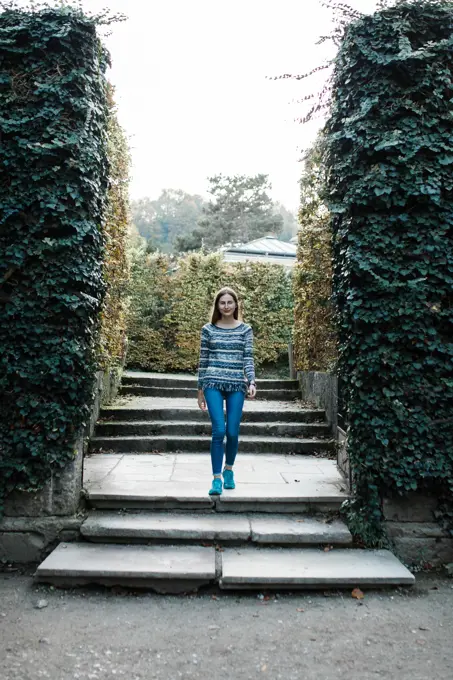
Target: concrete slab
[166,526]
[184,444]
[195,469]
[120,493]
[310,490]
[310,568]
[293,529]
[164,568]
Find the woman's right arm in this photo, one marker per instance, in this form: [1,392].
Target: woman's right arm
[202,366]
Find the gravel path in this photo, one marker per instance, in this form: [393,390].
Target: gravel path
[95,634]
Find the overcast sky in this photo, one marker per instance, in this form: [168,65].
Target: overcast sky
[192,91]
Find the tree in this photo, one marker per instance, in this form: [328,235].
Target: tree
[290,225]
[174,214]
[240,210]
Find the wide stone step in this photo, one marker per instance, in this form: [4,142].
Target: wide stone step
[173,569]
[310,568]
[189,428]
[184,444]
[191,392]
[311,494]
[168,380]
[176,527]
[166,569]
[192,413]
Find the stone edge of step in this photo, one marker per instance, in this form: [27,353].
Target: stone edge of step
[229,574]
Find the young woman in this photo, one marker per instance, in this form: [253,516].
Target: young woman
[226,373]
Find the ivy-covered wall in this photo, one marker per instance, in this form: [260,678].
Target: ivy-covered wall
[389,157]
[54,116]
[170,302]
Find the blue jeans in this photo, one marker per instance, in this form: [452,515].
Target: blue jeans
[234,403]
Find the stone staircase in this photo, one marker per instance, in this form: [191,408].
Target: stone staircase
[152,524]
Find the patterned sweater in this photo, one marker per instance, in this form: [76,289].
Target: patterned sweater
[226,358]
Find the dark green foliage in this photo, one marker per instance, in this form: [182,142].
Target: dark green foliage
[389,157]
[53,181]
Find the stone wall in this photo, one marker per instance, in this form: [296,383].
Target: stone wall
[416,535]
[34,521]
[321,390]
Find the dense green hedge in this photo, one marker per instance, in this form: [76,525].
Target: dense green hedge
[53,183]
[169,303]
[389,160]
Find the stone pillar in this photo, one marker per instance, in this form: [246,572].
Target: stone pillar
[34,522]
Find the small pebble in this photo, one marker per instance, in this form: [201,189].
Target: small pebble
[41,604]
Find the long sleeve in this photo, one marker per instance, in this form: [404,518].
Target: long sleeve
[249,364]
[204,357]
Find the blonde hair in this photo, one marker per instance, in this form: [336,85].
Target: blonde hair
[215,314]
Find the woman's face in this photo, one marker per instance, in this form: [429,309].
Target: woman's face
[226,305]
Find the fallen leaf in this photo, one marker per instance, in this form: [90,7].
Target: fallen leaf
[214,597]
[299,609]
[263,668]
[357,594]
[300,520]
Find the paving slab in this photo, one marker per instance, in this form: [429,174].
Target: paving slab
[196,468]
[176,526]
[296,529]
[122,493]
[186,443]
[310,568]
[166,526]
[163,568]
[151,403]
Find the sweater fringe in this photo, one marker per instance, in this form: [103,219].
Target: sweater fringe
[224,386]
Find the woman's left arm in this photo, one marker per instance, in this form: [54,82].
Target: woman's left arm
[249,364]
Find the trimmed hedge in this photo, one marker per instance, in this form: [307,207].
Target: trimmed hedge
[115,226]
[315,338]
[389,159]
[170,302]
[53,182]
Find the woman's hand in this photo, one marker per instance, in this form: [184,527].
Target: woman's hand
[201,400]
[252,391]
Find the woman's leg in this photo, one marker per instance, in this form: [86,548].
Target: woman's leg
[214,402]
[234,405]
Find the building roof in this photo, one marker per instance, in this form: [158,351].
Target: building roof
[267,249]
[267,245]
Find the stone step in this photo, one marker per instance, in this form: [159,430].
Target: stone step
[310,494]
[168,380]
[191,412]
[173,569]
[166,569]
[189,428]
[183,527]
[310,568]
[191,392]
[184,444]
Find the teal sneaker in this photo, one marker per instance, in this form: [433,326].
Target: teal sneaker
[216,488]
[228,479]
